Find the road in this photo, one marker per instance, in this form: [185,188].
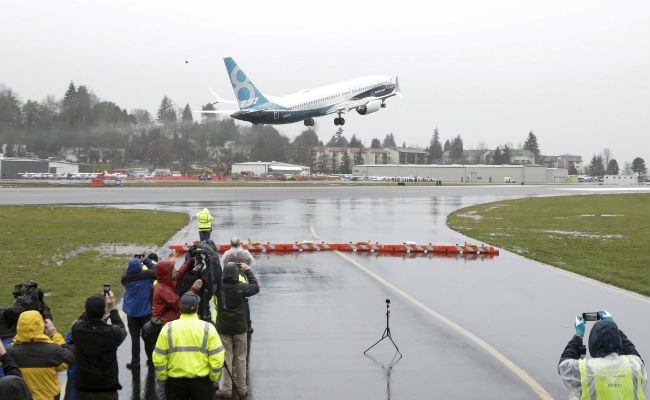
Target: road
[488,328]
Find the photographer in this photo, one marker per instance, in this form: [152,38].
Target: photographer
[202,263]
[138,284]
[615,369]
[96,344]
[232,325]
[27,297]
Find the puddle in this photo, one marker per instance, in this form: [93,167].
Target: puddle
[472,215]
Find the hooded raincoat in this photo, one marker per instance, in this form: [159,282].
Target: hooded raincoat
[38,356]
[138,286]
[166,303]
[614,371]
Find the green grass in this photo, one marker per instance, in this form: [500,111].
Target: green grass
[614,249]
[57,247]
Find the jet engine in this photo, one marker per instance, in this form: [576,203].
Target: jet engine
[371,107]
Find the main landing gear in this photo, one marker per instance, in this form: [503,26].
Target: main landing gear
[339,121]
[309,122]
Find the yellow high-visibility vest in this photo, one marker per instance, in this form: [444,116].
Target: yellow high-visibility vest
[606,379]
[205,220]
[188,348]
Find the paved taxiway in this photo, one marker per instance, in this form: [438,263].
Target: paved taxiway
[317,312]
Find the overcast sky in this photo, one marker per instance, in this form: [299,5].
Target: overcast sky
[574,72]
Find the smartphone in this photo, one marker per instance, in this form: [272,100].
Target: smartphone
[590,316]
[107,288]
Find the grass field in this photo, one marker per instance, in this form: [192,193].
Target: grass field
[605,237]
[68,251]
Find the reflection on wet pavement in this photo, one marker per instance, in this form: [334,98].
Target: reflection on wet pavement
[316,312]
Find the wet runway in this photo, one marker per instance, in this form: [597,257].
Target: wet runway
[317,312]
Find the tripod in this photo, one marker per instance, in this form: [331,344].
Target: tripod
[386,333]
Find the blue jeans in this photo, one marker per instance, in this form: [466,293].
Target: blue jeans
[204,235]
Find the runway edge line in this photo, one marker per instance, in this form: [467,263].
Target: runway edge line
[523,375]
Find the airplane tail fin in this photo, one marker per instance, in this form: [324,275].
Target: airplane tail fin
[247,95]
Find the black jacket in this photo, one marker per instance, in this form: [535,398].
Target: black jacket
[96,344]
[12,386]
[231,318]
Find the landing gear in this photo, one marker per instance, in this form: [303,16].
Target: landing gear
[339,121]
[309,122]
[383,105]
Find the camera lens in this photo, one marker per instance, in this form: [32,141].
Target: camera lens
[387,301]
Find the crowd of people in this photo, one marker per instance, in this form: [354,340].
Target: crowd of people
[193,323]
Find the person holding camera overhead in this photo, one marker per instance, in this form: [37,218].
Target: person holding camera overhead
[615,369]
[138,284]
[96,344]
[232,325]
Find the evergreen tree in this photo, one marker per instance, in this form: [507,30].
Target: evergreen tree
[375,143]
[505,157]
[346,163]
[302,145]
[186,116]
[68,105]
[389,141]
[358,158]
[638,166]
[355,143]
[10,112]
[532,145]
[435,148]
[447,146]
[456,150]
[166,113]
[208,116]
[337,140]
[612,167]
[572,169]
[596,167]
[497,157]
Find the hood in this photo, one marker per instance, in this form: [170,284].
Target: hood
[230,273]
[135,265]
[30,328]
[205,211]
[164,272]
[604,339]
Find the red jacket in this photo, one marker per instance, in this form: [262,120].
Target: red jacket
[166,303]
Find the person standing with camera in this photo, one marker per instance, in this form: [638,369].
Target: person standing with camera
[138,293]
[96,344]
[232,325]
[615,369]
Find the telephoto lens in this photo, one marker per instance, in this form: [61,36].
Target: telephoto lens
[387,301]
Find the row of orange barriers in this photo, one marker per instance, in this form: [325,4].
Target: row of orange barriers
[367,247]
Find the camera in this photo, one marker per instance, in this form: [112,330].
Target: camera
[387,301]
[591,316]
[107,288]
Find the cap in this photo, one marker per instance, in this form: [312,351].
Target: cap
[153,256]
[95,306]
[189,302]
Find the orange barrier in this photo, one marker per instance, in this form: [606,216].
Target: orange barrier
[361,247]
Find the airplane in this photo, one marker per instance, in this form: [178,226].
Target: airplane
[365,95]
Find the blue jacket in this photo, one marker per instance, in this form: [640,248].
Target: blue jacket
[139,289]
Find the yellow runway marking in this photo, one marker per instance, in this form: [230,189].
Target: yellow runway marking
[536,387]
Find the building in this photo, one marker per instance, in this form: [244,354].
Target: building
[467,173]
[93,154]
[517,156]
[563,161]
[620,179]
[330,159]
[12,167]
[406,155]
[263,168]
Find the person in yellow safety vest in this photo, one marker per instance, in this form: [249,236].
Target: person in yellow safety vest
[615,369]
[188,355]
[205,224]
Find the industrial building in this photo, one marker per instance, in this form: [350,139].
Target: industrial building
[11,167]
[467,173]
[262,168]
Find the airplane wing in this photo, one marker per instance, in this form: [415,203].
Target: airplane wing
[228,112]
[347,105]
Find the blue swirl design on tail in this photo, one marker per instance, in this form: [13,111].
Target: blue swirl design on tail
[248,96]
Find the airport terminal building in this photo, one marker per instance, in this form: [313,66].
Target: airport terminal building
[466,173]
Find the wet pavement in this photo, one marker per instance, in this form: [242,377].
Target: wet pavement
[317,312]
